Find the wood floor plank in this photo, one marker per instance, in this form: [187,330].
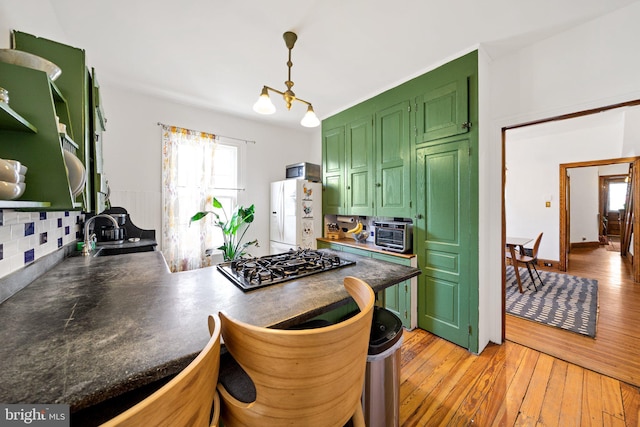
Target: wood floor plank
[631,404]
[592,400]
[552,404]
[571,413]
[532,403]
[612,397]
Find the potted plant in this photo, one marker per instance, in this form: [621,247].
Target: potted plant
[233,230]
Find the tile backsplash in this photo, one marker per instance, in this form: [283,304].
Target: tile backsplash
[27,236]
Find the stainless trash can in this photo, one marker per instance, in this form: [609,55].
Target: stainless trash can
[381,392]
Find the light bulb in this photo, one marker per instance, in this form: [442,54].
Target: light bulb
[264,105]
[310,120]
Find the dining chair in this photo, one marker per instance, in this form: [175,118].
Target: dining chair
[306,377]
[529,260]
[189,399]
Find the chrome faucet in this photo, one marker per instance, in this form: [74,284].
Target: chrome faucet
[86,249]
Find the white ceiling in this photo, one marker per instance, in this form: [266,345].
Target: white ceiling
[218,54]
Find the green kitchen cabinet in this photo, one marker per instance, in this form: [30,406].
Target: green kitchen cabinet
[397,298]
[29,134]
[77,88]
[443,110]
[333,167]
[426,167]
[359,166]
[375,164]
[393,162]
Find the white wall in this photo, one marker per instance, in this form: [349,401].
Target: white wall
[133,157]
[583,204]
[588,66]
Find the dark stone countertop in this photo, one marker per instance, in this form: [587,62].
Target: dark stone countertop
[93,328]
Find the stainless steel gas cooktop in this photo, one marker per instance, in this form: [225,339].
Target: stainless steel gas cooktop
[254,273]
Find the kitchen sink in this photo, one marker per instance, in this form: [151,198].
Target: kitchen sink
[101,251]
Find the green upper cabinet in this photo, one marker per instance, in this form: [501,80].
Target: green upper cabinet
[443,111]
[333,197]
[374,161]
[73,88]
[37,146]
[359,166]
[393,174]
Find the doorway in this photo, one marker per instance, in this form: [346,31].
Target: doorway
[626,224]
[544,340]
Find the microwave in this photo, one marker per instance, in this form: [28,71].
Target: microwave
[307,171]
[393,236]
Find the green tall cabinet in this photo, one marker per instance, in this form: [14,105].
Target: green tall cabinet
[425,167]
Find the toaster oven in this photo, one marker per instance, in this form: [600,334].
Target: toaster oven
[393,236]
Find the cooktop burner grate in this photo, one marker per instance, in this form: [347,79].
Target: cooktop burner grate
[255,273]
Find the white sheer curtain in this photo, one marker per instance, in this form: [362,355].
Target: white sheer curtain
[187,182]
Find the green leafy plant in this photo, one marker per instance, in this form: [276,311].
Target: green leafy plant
[233,230]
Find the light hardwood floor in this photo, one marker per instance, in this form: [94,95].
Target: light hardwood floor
[616,349]
[540,379]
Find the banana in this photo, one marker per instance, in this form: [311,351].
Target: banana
[356,229]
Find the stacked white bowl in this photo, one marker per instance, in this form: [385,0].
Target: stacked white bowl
[12,179]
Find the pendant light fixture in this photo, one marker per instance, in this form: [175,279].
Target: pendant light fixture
[264,105]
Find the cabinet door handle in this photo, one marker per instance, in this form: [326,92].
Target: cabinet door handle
[419,216]
[348,187]
[378,185]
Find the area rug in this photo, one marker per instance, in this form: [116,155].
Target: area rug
[564,301]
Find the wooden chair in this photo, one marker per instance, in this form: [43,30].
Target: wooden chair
[529,261]
[308,377]
[189,399]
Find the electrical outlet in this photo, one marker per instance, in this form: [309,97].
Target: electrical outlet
[548,264]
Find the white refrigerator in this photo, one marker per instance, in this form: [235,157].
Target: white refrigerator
[296,215]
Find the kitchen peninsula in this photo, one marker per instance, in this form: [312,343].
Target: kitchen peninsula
[93,328]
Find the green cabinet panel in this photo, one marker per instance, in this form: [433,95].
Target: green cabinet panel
[32,98]
[397,298]
[359,160]
[333,196]
[443,111]
[443,240]
[393,165]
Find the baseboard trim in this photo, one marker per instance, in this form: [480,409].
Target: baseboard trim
[585,245]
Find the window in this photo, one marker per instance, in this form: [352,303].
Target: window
[617,195]
[196,168]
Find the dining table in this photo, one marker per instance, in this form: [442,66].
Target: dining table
[518,243]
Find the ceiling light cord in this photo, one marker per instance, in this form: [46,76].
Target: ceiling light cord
[264,105]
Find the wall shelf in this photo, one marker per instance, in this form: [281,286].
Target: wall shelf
[10,120]
[23,204]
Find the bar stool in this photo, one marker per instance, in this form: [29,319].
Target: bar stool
[309,377]
[189,399]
